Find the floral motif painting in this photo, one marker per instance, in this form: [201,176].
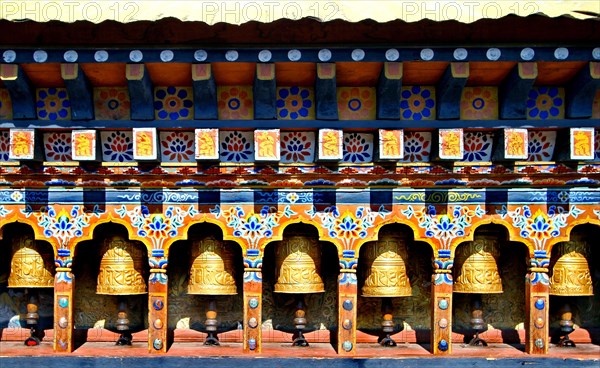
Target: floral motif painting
[546,103]
[295,103]
[479,103]
[5,104]
[236,146]
[597,145]
[53,104]
[177,146]
[297,147]
[4,145]
[235,103]
[478,147]
[173,103]
[112,103]
[358,148]
[541,145]
[417,103]
[57,147]
[417,146]
[117,146]
[356,103]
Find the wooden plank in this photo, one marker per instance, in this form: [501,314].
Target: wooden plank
[296,74]
[20,90]
[80,92]
[362,74]
[170,74]
[105,74]
[514,91]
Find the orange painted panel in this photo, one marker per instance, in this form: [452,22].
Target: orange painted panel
[105,74]
[363,74]
[423,73]
[295,74]
[234,74]
[489,73]
[557,73]
[44,75]
[170,74]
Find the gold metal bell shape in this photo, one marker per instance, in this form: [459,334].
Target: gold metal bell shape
[571,273]
[298,266]
[31,265]
[212,271]
[478,272]
[121,268]
[385,268]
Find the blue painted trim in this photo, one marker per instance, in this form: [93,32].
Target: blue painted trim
[80,96]
[449,92]
[141,95]
[513,93]
[325,101]
[580,94]
[309,124]
[388,97]
[309,54]
[265,97]
[22,96]
[205,99]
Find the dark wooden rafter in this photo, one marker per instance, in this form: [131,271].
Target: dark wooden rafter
[514,91]
[449,90]
[581,91]
[388,91]
[326,92]
[205,92]
[265,92]
[140,92]
[20,90]
[80,92]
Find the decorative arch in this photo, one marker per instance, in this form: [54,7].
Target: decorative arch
[278,235]
[569,229]
[397,220]
[89,235]
[494,221]
[184,231]
[37,232]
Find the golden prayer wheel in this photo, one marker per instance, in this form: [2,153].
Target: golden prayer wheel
[478,270]
[31,265]
[121,268]
[571,273]
[385,268]
[212,271]
[298,260]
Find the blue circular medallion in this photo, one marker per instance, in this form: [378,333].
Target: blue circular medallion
[158,304]
[443,345]
[443,304]
[157,344]
[539,343]
[63,302]
[252,344]
[253,303]
[348,305]
[347,346]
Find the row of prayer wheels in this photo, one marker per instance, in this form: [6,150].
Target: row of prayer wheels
[298,272]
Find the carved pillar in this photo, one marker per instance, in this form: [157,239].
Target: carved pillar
[347,305]
[63,303]
[157,303]
[252,302]
[441,299]
[537,291]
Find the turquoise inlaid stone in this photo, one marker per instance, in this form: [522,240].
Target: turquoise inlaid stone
[348,305]
[347,345]
[540,304]
[63,302]
[253,303]
[158,304]
[443,345]
[443,304]
[252,344]
[539,343]
[157,344]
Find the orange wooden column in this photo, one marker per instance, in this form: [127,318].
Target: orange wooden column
[537,293]
[441,300]
[157,305]
[63,303]
[252,302]
[347,305]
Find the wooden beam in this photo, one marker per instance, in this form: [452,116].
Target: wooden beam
[582,90]
[140,92]
[20,90]
[514,91]
[265,92]
[79,90]
[205,92]
[326,92]
[449,90]
[388,91]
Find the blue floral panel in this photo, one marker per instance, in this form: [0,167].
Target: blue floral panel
[117,146]
[236,146]
[358,148]
[53,104]
[173,103]
[295,103]
[544,103]
[417,103]
[478,147]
